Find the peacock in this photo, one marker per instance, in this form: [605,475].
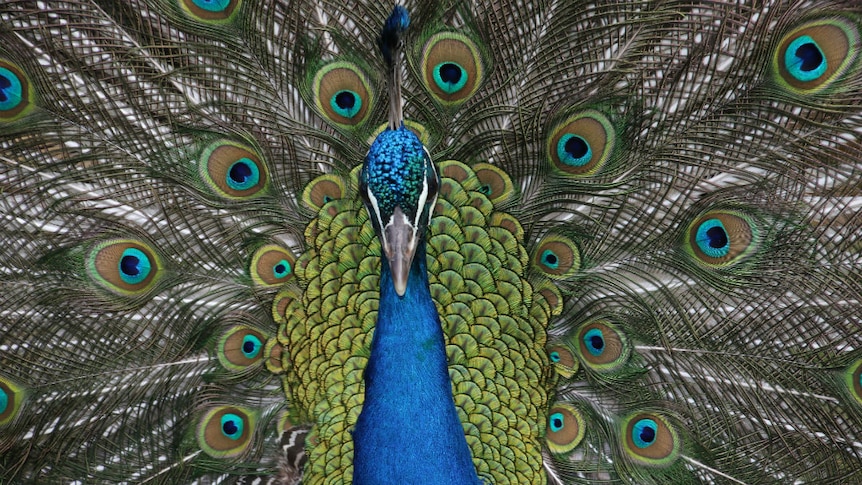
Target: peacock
[485,242]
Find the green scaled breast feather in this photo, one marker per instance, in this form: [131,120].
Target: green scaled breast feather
[494,309]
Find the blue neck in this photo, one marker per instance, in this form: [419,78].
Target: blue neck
[408,431]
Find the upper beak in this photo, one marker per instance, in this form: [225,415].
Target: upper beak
[399,244]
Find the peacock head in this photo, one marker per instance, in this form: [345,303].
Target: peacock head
[399,186]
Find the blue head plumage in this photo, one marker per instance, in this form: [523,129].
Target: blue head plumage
[399,185]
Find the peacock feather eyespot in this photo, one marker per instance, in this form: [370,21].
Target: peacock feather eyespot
[814,55]
[240,347]
[16,94]
[126,267]
[323,190]
[721,238]
[494,183]
[452,68]
[602,346]
[271,266]
[563,360]
[581,144]
[342,93]
[211,11]
[853,380]
[226,431]
[233,170]
[566,428]
[650,439]
[11,397]
[557,257]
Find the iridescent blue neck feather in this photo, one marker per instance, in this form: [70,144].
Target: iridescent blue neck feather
[409,431]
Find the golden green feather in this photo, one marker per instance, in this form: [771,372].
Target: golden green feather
[494,321]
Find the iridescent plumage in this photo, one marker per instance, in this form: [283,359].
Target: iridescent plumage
[642,256]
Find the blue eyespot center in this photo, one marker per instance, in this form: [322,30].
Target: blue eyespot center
[594,341]
[804,59]
[346,103]
[212,5]
[231,426]
[5,84]
[550,259]
[485,189]
[134,266]
[717,237]
[243,174]
[644,432]
[555,356]
[712,238]
[574,150]
[251,346]
[4,400]
[557,421]
[450,77]
[282,269]
[450,73]
[11,90]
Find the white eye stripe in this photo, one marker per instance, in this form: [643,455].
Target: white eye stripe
[423,196]
[376,208]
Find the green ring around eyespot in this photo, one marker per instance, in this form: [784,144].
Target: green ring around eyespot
[144,266]
[212,6]
[791,61]
[346,112]
[250,181]
[14,92]
[258,345]
[638,427]
[284,273]
[547,263]
[702,238]
[567,158]
[237,421]
[588,335]
[445,86]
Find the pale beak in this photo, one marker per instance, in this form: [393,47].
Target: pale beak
[399,244]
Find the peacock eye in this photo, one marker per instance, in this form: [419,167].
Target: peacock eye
[240,347]
[125,266]
[271,266]
[603,346]
[816,54]
[566,428]
[557,257]
[650,439]
[452,67]
[211,11]
[323,190]
[15,93]
[233,170]
[581,144]
[342,93]
[225,431]
[721,238]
